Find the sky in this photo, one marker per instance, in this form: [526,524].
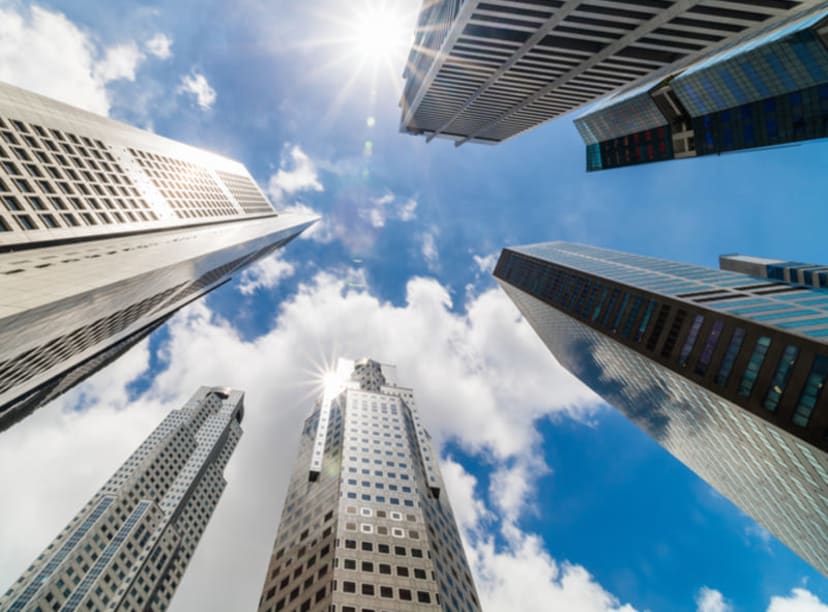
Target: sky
[563,503]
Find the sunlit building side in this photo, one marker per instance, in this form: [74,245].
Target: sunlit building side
[105,232]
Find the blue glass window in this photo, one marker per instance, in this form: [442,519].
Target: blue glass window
[645,320]
[781,376]
[811,392]
[691,340]
[751,372]
[709,347]
[632,316]
[730,356]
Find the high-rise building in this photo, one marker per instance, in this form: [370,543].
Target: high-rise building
[723,369]
[127,549]
[106,231]
[485,71]
[772,90]
[366,524]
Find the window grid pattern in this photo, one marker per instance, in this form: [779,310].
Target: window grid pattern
[129,547]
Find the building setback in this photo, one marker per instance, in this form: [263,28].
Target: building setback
[105,232]
[725,370]
[485,71]
[772,90]
[127,549]
[366,524]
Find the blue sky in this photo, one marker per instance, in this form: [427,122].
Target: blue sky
[551,486]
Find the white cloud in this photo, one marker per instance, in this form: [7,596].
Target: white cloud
[512,487]
[486,264]
[711,600]
[160,46]
[800,600]
[321,231]
[408,210]
[196,84]
[119,62]
[428,249]
[461,366]
[265,274]
[523,576]
[45,52]
[297,172]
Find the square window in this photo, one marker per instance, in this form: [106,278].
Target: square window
[368,589]
[348,586]
[405,594]
[384,568]
[423,597]
[367,566]
[386,592]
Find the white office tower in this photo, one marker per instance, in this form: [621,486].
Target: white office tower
[365,527]
[127,549]
[105,231]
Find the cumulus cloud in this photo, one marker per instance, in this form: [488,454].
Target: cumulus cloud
[711,600]
[196,85]
[160,46]
[486,263]
[297,173]
[408,210]
[800,600]
[119,62]
[460,365]
[265,274]
[43,51]
[377,210]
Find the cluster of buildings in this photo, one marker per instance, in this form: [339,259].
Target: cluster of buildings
[106,231]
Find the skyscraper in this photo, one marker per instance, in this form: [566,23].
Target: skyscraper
[129,546]
[105,232]
[772,90]
[366,524]
[725,370]
[485,71]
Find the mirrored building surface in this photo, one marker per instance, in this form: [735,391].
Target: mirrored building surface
[105,232]
[723,369]
[770,91]
[366,524]
[486,71]
[128,548]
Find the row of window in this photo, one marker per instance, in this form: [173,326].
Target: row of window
[633,317]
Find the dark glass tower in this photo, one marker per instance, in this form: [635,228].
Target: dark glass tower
[723,369]
[769,91]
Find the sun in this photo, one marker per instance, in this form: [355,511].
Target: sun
[379,31]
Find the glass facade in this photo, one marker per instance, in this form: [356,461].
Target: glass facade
[734,393]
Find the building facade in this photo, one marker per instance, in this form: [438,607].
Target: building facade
[105,232]
[485,71]
[769,91]
[128,548]
[724,370]
[366,525]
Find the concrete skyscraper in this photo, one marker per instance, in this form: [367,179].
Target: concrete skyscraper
[724,369]
[485,71]
[106,231]
[127,549]
[366,524]
[772,90]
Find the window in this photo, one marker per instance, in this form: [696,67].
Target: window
[349,564]
[709,347]
[730,356]
[405,594]
[423,597]
[348,586]
[384,568]
[402,571]
[367,566]
[754,365]
[811,391]
[368,589]
[690,342]
[386,592]
[781,376]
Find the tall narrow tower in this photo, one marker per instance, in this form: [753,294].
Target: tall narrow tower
[726,369]
[105,232]
[366,524]
[129,546]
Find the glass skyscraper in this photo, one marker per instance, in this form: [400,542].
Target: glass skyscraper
[726,370]
[105,232]
[771,90]
[366,524]
[128,548]
[486,71]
